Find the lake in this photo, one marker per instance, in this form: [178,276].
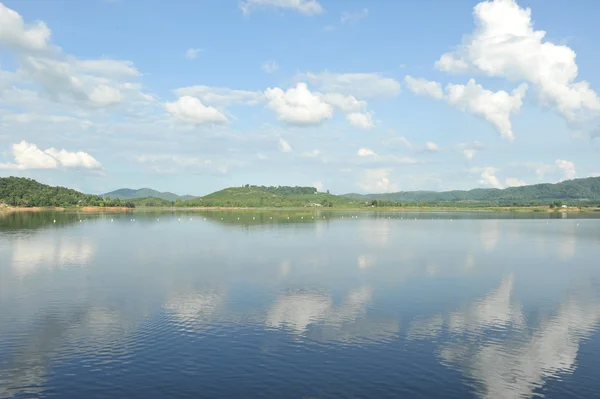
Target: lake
[313,304]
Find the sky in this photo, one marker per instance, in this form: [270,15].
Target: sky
[347,96]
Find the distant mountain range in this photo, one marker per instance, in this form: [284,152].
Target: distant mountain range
[577,189]
[128,193]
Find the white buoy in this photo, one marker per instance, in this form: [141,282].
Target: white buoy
[190,219]
[253,218]
[301,217]
[157,220]
[54,221]
[179,219]
[271,217]
[205,218]
[288,217]
[238,218]
[221,218]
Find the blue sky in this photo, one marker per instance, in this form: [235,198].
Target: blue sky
[350,96]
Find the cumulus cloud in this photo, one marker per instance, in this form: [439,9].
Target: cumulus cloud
[377,181]
[107,67]
[488,176]
[104,95]
[298,106]
[16,34]
[424,87]
[306,7]
[567,168]
[365,152]
[362,120]
[284,146]
[354,16]
[495,107]
[63,78]
[470,149]
[221,96]
[269,66]
[192,53]
[360,85]
[191,110]
[514,182]
[318,185]
[430,146]
[505,44]
[311,154]
[346,104]
[29,156]
[561,169]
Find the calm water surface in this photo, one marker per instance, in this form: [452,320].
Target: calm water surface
[320,305]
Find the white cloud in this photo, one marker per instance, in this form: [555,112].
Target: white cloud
[107,67]
[311,154]
[284,146]
[269,66]
[495,107]
[63,78]
[514,182]
[365,152]
[354,16]
[505,44]
[15,34]
[306,7]
[360,85]
[29,156]
[318,185]
[104,95]
[470,149]
[362,120]
[220,96]
[298,106]
[567,168]
[377,181]
[430,146]
[488,176]
[191,110]
[192,53]
[346,104]
[469,153]
[424,87]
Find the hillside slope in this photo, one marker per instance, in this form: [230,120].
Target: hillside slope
[587,189]
[263,196]
[23,192]
[128,193]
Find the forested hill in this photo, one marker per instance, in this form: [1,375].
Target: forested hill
[128,193]
[268,196]
[587,189]
[18,191]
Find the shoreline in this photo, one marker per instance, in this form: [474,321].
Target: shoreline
[89,209]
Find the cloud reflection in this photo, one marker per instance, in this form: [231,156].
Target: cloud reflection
[315,316]
[490,342]
[30,255]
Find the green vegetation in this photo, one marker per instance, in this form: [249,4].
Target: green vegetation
[129,194]
[22,192]
[270,197]
[576,192]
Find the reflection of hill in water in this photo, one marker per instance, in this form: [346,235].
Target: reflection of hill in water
[31,220]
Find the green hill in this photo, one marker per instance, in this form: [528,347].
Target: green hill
[128,193]
[268,196]
[18,191]
[578,190]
